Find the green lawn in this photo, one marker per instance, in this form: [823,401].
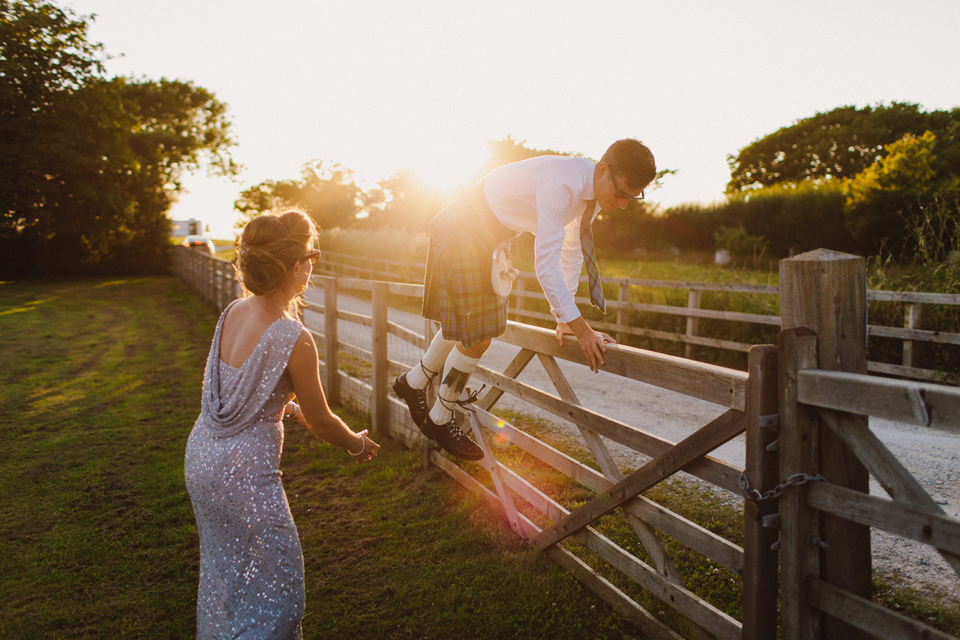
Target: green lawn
[100,385]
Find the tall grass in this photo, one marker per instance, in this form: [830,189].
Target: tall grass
[933,266]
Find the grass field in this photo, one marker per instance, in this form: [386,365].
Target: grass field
[100,385]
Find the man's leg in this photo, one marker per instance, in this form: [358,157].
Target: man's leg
[410,386]
[441,424]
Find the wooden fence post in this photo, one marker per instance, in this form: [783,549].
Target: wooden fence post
[380,410]
[331,343]
[693,324]
[521,289]
[826,292]
[911,320]
[799,453]
[760,564]
[211,283]
[622,296]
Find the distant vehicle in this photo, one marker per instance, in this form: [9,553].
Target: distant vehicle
[191,227]
[200,243]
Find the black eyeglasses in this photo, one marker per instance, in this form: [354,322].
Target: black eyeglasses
[620,195]
[312,256]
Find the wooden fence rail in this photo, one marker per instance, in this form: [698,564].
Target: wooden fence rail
[803,405]
[528,289]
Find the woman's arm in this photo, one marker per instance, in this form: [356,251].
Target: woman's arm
[315,413]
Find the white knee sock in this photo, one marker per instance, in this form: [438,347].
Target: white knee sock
[432,362]
[456,372]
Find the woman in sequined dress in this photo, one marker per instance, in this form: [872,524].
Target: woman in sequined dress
[261,357]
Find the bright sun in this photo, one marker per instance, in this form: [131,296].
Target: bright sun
[449,172]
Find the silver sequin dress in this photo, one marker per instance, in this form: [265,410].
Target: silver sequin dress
[251,564]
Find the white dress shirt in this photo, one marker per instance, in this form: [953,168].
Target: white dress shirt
[547,196]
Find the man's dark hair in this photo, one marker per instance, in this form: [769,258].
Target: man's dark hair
[632,160]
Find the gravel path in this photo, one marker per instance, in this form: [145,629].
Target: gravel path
[932,456]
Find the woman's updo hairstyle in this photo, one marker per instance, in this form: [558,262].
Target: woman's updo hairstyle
[269,246]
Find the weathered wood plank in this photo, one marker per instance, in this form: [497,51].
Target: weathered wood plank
[568,395]
[648,333]
[710,469]
[311,306]
[516,366]
[356,318]
[648,538]
[800,523]
[408,290]
[489,462]
[689,533]
[914,296]
[704,440]
[760,563]
[693,324]
[916,403]
[696,610]
[867,616]
[917,523]
[366,355]
[331,344]
[621,602]
[676,284]
[645,621]
[719,385]
[825,291]
[885,467]
[378,415]
[941,337]
[932,375]
[404,334]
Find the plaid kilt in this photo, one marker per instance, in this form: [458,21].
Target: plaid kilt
[457,291]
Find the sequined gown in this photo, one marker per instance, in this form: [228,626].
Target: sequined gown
[251,564]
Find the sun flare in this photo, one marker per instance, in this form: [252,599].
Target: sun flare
[450,171]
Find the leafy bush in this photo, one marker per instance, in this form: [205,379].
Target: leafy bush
[741,244]
[791,218]
[895,203]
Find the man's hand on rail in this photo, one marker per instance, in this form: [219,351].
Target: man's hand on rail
[592,343]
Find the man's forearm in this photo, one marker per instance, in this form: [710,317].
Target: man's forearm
[579,326]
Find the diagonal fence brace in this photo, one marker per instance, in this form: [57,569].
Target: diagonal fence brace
[703,441]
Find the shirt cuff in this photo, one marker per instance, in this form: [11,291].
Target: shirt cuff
[566,312]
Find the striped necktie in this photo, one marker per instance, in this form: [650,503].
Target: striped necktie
[590,258]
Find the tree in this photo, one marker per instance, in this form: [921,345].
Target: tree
[88,165]
[326,191]
[837,144]
[885,198]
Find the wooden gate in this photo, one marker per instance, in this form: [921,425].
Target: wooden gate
[749,399]
[825,440]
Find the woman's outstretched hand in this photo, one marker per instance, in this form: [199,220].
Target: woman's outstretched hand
[369,450]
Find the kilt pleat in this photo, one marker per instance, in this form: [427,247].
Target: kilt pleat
[457,291]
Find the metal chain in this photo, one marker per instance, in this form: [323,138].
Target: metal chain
[795,480]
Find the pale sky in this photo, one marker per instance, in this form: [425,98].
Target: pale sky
[380,86]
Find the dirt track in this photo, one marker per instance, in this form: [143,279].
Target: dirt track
[933,457]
